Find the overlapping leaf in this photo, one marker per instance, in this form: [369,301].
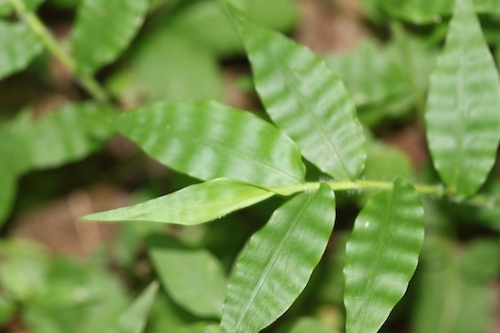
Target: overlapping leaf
[133,320]
[278,262]
[103,29]
[463,107]
[418,11]
[306,100]
[192,205]
[193,278]
[381,256]
[207,140]
[18,47]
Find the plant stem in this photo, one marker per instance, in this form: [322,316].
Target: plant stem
[364,184]
[41,31]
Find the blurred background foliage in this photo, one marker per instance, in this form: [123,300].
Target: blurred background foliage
[59,161]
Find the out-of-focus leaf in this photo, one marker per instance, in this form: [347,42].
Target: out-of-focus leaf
[207,140]
[481,261]
[278,262]
[201,328]
[381,256]
[103,29]
[385,162]
[278,15]
[18,47]
[133,320]
[193,278]
[418,11]
[306,100]
[371,73]
[191,205]
[463,114]
[70,134]
[448,301]
[309,325]
[6,7]
[170,66]
[75,294]
[23,272]
[7,310]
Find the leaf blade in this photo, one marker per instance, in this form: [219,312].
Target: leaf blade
[381,256]
[306,100]
[133,320]
[191,205]
[103,29]
[462,116]
[208,140]
[273,271]
[18,47]
[194,278]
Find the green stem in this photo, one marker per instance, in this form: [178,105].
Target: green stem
[41,31]
[363,184]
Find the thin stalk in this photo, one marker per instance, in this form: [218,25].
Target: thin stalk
[364,184]
[41,31]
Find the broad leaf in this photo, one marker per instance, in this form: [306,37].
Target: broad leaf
[133,320]
[6,7]
[103,29]
[278,262]
[463,107]
[306,100]
[69,134]
[193,278]
[207,140]
[18,47]
[381,256]
[191,205]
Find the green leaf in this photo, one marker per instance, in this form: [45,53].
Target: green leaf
[418,11]
[278,262]
[169,65]
[193,278]
[103,29]
[381,256]
[306,100]
[191,205]
[309,325]
[133,320]
[207,140]
[69,134]
[200,328]
[7,310]
[18,47]
[463,107]
[6,7]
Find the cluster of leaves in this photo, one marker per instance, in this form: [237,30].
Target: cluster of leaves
[315,147]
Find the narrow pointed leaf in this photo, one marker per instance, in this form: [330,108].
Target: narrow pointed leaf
[18,47]
[103,29]
[463,107]
[69,134]
[191,205]
[306,100]
[278,262]
[133,320]
[381,256]
[193,278]
[208,140]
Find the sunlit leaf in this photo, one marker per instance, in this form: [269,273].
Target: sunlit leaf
[278,262]
[381,256]
[18,47]
[463,107]
[191,205]
[306,100]
[193,278]
[133,319]
[69,134]
[207,140]
[103,29]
